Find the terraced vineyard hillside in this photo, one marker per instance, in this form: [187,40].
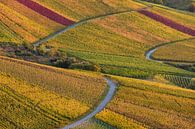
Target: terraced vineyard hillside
[145,104]
[96,64]
[185,50]
[57,95]
[121,43]
[23,24]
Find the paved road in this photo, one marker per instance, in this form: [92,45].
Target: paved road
[112,85]
[112,88]
[150,52]
[53,35]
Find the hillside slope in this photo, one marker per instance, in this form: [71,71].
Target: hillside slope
[24,24]
[119,41]
[49,90]
[149,104]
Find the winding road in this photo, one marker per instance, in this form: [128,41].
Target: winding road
[151,51]
[112,85]
[53,35]
[71,26]
[112,88]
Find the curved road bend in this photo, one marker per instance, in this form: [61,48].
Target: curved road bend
[111,84]
[112,88]
[150,52]
[59,32]
[53,35]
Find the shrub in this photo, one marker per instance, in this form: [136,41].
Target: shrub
[23,53]
[42,50]
[65,62]
[86,66]
[192,8]
[192,85]
[52,52]
[28,46]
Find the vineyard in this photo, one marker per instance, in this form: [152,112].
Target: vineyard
[184,49]
[82,10]
[185,82]
[85,65]
[116,43]
[56,94]
[47,105]
[169,22]
[24,27]
[184,18]
[129,66]
[180,81]
[144,102]
[120,53]
[64,82]
[46,12]
[94,124]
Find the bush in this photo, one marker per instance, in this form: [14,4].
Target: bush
[28,46]
[65,62]
[74,63]
[52,52]
[86,66]
[192,8]
[192,85]
[42,50]
[23,53]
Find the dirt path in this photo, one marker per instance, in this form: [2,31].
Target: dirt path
[112,88]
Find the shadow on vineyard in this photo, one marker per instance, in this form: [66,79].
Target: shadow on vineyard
[46,55]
